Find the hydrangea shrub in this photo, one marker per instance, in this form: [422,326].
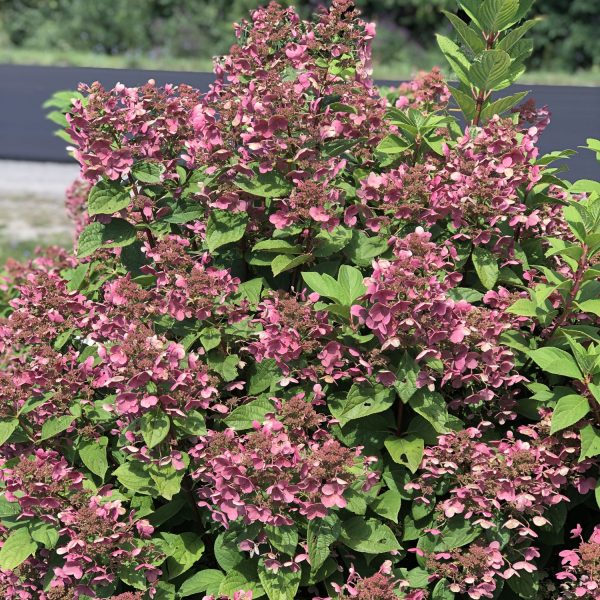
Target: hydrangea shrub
[318,340]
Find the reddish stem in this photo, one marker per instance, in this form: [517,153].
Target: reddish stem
[577,281]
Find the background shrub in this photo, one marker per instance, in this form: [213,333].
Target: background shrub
[565,38]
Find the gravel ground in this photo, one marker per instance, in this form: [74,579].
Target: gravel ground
[32,202]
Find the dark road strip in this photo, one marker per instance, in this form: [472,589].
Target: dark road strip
[25,133]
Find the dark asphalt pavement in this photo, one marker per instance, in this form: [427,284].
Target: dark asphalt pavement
[25,133]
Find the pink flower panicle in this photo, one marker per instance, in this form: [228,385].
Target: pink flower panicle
[580,574]
[278,472]
[427,92]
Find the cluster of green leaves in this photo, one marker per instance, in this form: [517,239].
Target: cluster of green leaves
[569,350]
[490,55]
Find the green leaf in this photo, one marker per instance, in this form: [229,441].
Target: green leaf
[55,425]
[226,551]
[436,143]
[182,549]
[281,584]
[406,377]
[585,186]
[242,417]
[154,426]
[148,172]
[556,361]
[242,577]
[466,103]
[407,451]
[77,277]
[523,307]
[167,480]
[164,591]
[131,577]
[210,338]
[456,533]
[340,107]
[432,407]
[466,294]
[225,366]
[458,61]
[186,214]
[524,8]
[62,339]
[167,511]
[595,389]
[590,442]
[325,285]
[225,227]
[475,42]
[90,239]
[93,455]
[107,198]
[265,185]
[59,118]
[134,477]
[392,144]
[17,548]
[590,306]
[118,233]
[321,534]
[388,505]
[568,410]
[207,581]
[368,536]
[339,146]
[32,403]
[361,401]
[251,290]
[525,586]
[486,266]
[191,424]
[7,426]
[356,502]
[363,249]
[43,533]
[511,38]
[497,15]
[441,591]
[283,538]
[489,69]
[277,246]
[327,243]
[9,509]
[471,7]
[283,262]
[350,281]
[262,375]
[502,105]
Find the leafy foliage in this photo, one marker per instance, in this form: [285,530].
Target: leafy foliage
[316,341]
